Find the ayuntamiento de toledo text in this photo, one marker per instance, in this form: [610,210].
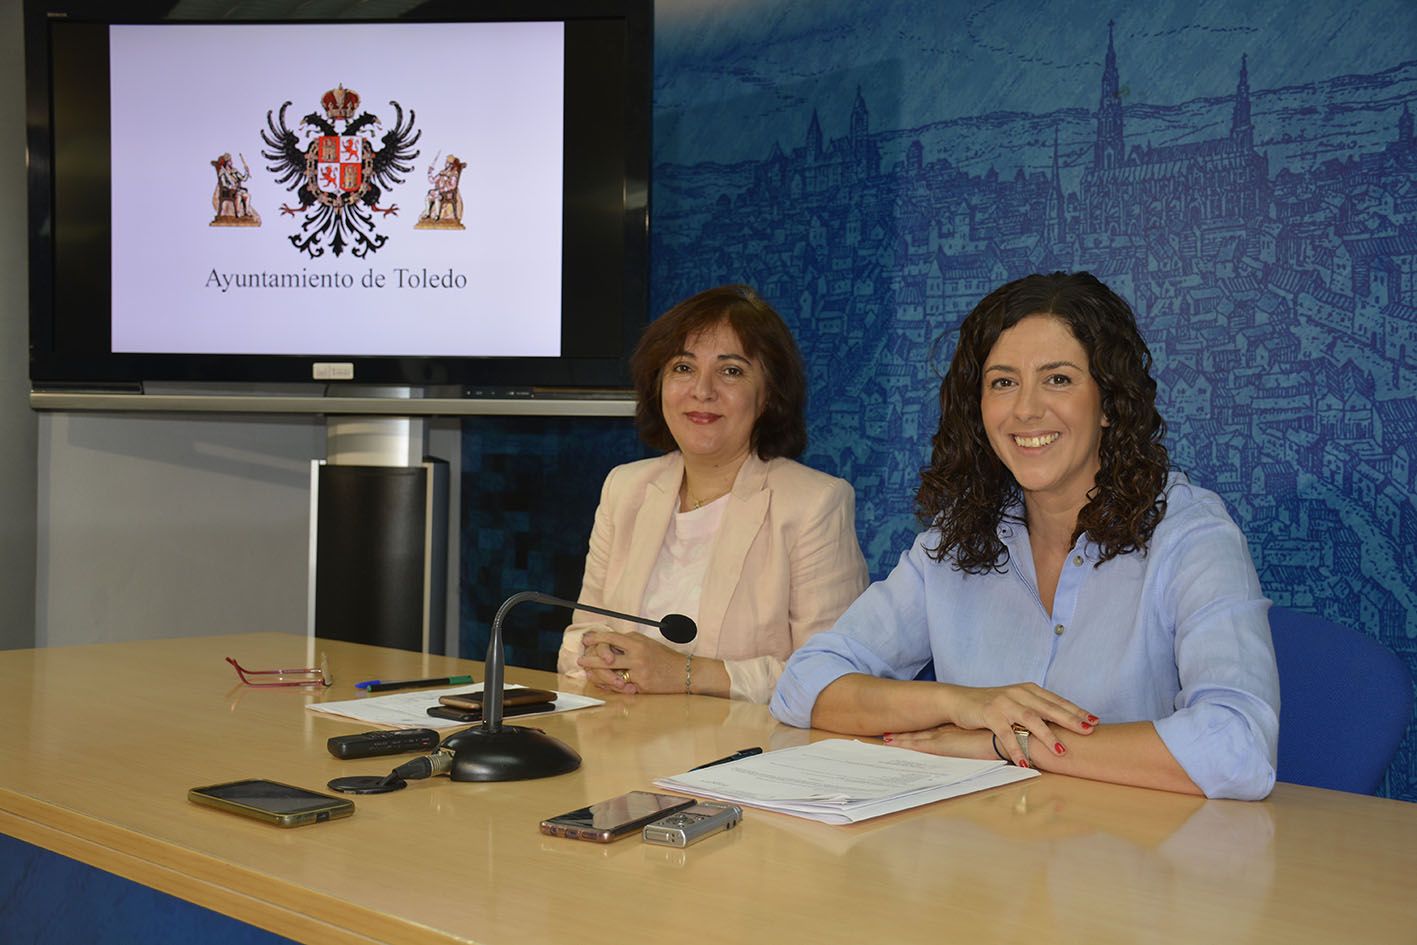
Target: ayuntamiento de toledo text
[399,277]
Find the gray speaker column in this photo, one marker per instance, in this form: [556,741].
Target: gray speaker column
[379,532]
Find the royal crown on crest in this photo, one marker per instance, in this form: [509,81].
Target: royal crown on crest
[340,103]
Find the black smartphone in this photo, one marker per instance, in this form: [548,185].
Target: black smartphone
[473,700]
[475,715]
[284,805]
[615,818]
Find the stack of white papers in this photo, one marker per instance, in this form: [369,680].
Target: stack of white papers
[841,782]
[410,709]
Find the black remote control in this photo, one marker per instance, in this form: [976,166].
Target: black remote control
[385,742]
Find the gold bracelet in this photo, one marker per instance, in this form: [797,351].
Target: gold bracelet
[689,674]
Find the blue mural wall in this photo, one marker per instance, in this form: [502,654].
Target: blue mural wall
[1245,174]
[530,488]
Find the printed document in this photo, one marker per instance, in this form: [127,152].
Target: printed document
[839,781]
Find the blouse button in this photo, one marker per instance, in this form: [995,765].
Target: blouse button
[1058,629]
[1077,560]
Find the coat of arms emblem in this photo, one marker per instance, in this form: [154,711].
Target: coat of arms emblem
[338,175]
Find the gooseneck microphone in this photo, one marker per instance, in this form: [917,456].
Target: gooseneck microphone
[676,627]
[493,752]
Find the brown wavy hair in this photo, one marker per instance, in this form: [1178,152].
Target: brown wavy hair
[781,429]
[966,491]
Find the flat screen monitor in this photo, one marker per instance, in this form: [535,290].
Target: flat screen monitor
[420,193]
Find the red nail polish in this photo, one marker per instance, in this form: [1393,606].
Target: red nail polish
[1086,726]
[887,738]
[1023,763]
[1093,719]
[1058,748]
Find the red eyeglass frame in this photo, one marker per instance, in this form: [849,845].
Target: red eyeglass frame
[314,676]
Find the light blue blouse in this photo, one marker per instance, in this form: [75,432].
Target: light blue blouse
[1178,635]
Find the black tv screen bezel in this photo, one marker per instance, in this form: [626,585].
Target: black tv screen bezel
[606,210]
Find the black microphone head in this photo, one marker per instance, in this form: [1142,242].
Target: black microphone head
[677,628]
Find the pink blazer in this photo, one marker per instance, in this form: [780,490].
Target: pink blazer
[785,563]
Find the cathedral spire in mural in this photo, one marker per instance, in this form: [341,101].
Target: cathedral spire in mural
[1241,129]
[1201,191]
[860,124]
[1108,152]
[814,139]
[1057,207]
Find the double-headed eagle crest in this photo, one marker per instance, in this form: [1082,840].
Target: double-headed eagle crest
[338,176]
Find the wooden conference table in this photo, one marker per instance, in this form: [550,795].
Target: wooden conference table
[100,744]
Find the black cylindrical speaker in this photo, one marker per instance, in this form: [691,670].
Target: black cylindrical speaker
[379,552]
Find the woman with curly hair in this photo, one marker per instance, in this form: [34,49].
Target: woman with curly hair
[1084,609]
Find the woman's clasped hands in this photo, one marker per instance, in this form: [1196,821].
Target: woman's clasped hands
[630,663]
[994,711]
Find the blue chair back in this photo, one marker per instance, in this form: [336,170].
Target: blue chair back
[1345,703]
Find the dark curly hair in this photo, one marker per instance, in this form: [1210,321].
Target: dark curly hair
[781,429]
[966,490]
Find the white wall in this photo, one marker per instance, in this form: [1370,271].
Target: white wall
[179,525]
[17,421]
[172,526]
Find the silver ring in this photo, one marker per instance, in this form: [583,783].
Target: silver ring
[1021,733]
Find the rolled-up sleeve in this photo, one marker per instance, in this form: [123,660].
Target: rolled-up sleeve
[1225,730]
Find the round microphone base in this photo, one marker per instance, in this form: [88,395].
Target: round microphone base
[512,753]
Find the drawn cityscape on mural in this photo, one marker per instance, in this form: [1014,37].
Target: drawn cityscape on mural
[1280,305]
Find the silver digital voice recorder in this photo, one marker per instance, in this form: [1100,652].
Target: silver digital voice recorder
[693,824]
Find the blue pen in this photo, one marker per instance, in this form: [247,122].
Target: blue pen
[378,685]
